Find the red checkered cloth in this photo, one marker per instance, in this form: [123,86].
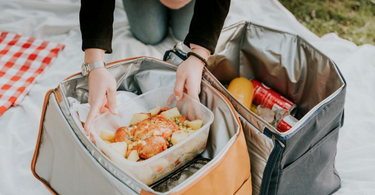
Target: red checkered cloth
[22,60]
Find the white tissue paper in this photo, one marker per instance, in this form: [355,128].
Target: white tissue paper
[80,111]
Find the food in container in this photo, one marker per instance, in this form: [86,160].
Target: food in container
[152,163]
[149,135]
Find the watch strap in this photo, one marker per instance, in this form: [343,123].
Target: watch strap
[88,67]
[93,65]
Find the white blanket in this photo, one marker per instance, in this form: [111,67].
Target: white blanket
[57,20]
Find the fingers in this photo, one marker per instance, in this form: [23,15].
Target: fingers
[179,86]
[188,77]
[192,86]
[193,90]
[94,111]
[111,98]
[190,112]
[92,138]
[103,109]
[102,87]
[170,99]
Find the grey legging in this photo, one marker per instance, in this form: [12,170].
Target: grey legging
[149,20]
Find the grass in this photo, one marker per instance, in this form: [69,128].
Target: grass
[353,20]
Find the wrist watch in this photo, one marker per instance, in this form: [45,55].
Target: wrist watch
[86,68]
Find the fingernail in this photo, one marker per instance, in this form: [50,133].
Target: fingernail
[115,111]
[178,98]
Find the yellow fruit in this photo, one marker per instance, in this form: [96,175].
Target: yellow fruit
[133,156]
[178,136]
[242,89]
[155,111]
[107,135]
[119,147]
[195,124]
[171,113]
[138,117]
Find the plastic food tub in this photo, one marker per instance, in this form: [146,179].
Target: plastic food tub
[160,165]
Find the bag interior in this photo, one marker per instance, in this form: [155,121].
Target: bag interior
[144,74]
[283,61]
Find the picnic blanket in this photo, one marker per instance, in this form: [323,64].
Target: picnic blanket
[22,60]
[58,21]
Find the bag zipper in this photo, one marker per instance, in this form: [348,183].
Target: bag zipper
[280,142]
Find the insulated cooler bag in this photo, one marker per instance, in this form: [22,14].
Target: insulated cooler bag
[249,156]
[301,160]
[67,162]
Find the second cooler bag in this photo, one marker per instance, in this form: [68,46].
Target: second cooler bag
[302,159]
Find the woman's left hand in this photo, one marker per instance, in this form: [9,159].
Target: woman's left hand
[189,74]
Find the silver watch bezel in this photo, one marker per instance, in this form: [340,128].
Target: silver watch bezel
[86,68]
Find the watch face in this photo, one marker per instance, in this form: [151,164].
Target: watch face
[83,70]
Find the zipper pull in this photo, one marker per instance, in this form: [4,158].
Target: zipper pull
[281,143]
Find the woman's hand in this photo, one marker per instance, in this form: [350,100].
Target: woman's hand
[102,95]
[189,74]
[102,88]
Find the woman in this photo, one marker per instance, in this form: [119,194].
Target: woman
[96,20]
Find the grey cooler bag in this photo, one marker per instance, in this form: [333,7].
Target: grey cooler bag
[301,160]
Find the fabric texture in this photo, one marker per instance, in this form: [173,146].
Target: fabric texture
[22,60]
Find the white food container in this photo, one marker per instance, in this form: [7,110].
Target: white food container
[160,165]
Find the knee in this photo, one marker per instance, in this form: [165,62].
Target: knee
[180,34]
[149,37]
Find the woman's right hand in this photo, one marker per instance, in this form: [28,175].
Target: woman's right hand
[102,89]
[102,95]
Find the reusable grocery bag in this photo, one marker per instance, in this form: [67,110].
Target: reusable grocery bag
[67,162]
[301,160]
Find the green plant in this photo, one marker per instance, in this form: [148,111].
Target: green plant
[353,20]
